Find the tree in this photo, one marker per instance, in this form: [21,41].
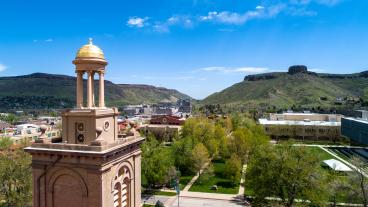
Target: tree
[5,143]
[358,179]
[10,118]
[200,157]
[337,187]
[156,162]
[365,94]
[15,174]
[286,172]
[233,168]
[238,143]
[182,155]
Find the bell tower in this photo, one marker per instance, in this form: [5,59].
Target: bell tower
[92,166]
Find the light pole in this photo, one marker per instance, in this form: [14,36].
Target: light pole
[177,186]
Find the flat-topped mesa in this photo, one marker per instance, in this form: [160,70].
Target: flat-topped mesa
[297,69]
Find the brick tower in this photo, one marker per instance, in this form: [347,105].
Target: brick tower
[92,166]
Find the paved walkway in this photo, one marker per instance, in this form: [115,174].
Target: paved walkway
[199,202]
[193,199]
[241,186]
[194,179]
[152,199]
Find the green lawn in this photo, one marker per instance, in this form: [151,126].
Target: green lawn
[224,185]
[164,193]
[322,155]
[184,180]
[320,142]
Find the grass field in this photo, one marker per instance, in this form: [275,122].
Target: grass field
[320,153]
[164,193]
[184,180]
[320,142]
[224,185]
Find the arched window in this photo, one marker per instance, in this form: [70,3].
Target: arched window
[121,191]
[117,195]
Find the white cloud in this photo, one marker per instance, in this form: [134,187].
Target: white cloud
[323,2]
[227,17]
[46,40]
[231,17]
[3,67]
[247,70]
[266,11]
[137,22]
[164,27]
[329,2]
[161,28]
[274,10]
[317,70]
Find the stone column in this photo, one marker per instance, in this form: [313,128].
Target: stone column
[101,96]
[93,89]
[89,89]
[80,89]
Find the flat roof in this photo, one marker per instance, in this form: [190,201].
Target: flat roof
[337,165]
[308,114]
[357,119]
[301,123]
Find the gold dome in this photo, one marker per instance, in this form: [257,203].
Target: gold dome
[90,51]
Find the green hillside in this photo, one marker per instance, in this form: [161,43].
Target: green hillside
[284,90]
[40,90]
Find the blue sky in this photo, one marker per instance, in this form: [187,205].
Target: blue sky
[196,46]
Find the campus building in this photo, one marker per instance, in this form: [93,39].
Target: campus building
[92,166]
[356,129]
[164,127]
[303,126]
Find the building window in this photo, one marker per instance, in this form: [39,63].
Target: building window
[117,195]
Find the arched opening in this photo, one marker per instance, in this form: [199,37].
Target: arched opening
[67,192]
[121,190]
[117,195]
[126,192]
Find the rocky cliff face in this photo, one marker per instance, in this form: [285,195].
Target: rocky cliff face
[297,69]
[293,70]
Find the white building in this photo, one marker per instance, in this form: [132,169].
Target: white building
[303,125]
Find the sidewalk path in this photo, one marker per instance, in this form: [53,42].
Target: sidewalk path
[187,187]
[231,198]
[241,186]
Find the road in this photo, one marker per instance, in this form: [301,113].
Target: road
[203,202]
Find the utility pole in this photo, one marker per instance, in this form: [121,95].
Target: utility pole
[177,186]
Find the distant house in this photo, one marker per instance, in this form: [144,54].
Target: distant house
[164,127]
[3,126]
[184,106]
[166,120]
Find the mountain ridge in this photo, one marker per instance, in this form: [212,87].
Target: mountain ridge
[44,90]
[299,87]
